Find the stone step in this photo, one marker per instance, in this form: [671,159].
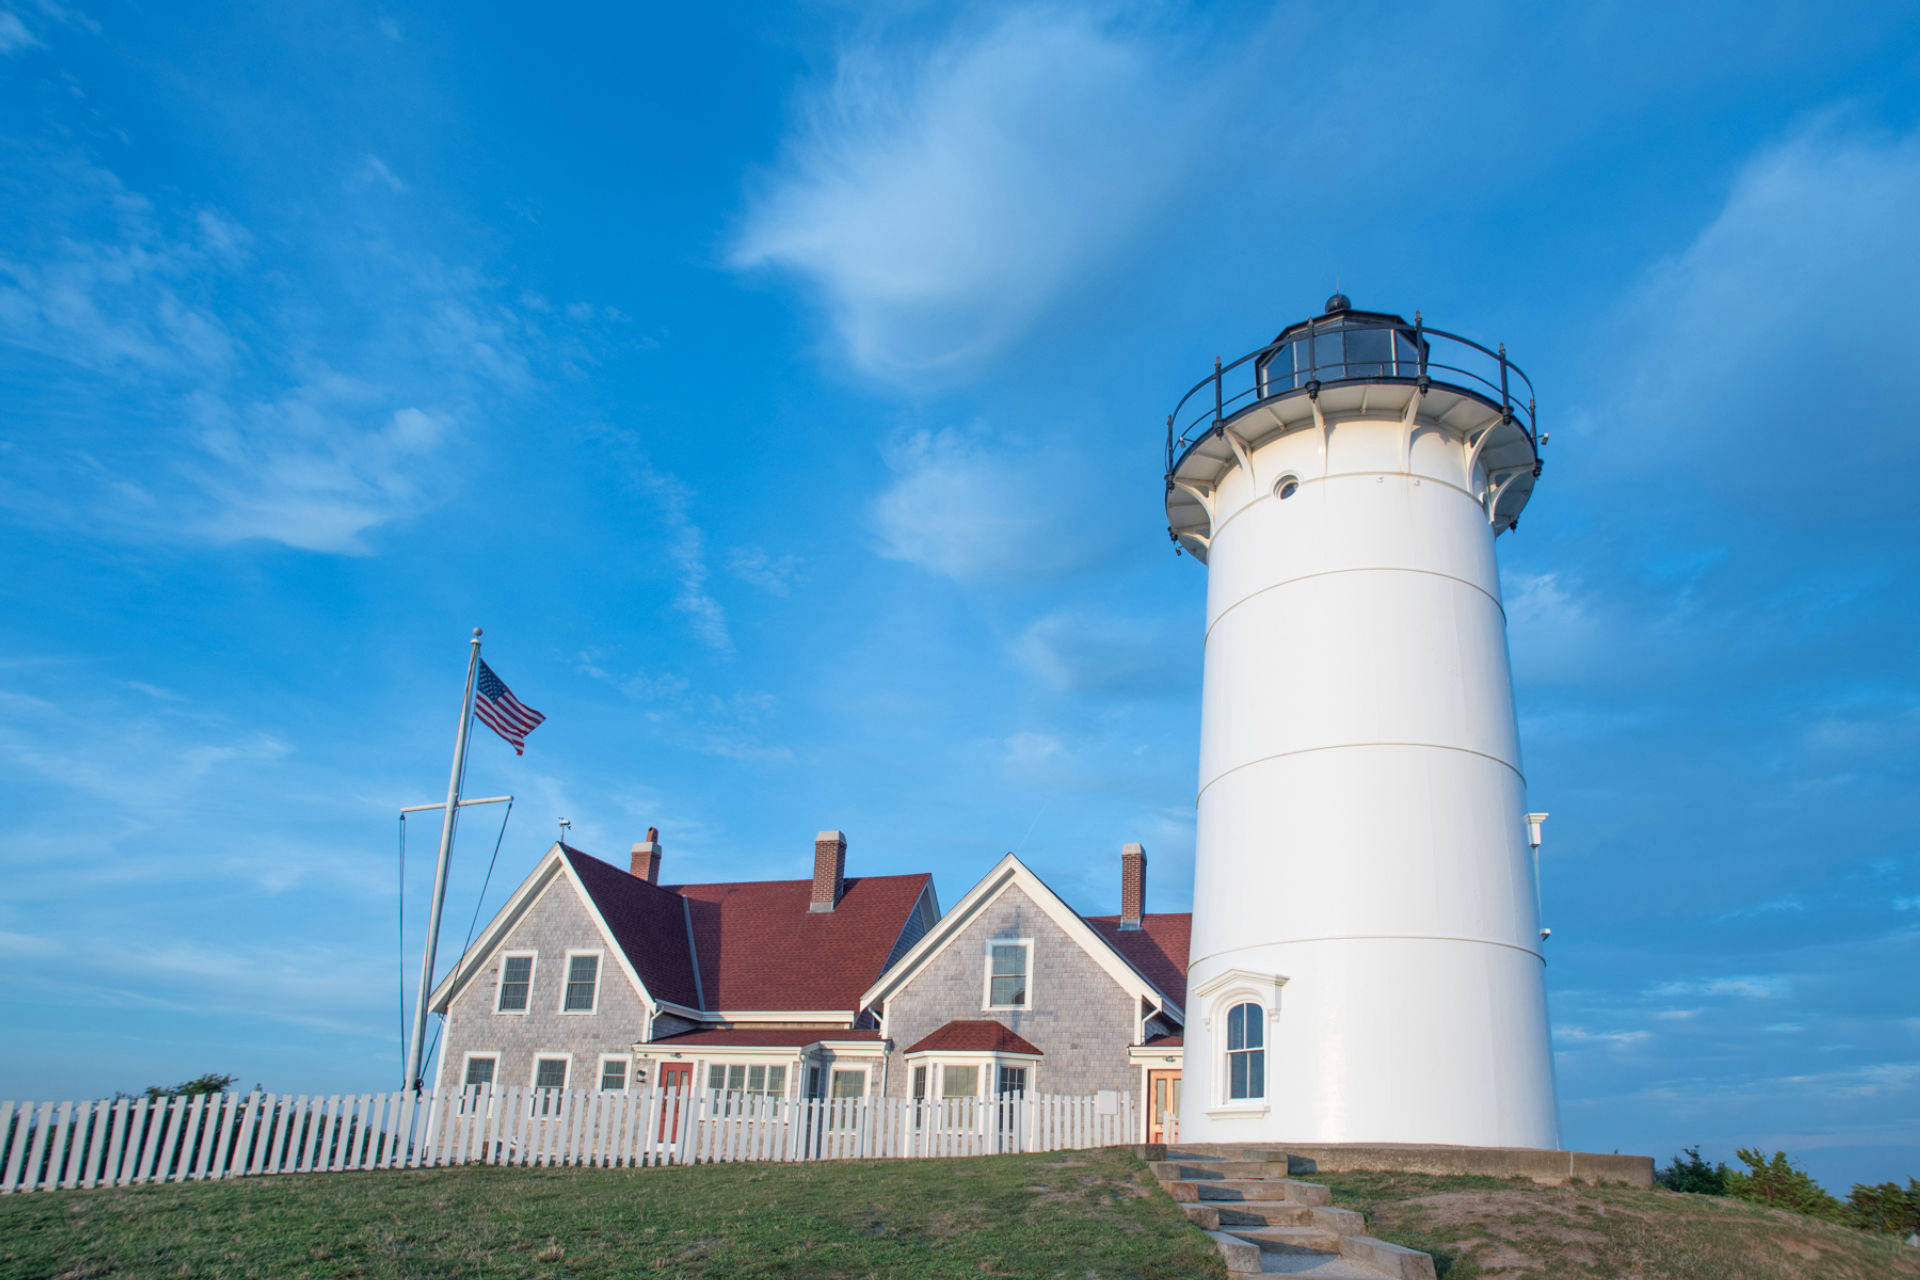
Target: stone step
[1217,1190]
[1302,1239]
[1390,1259]
[1260,1189]
[1251,1154]
[1235,1152]
[1245,1258]
[1219,1215]
[1282,1213]
[1169,1170]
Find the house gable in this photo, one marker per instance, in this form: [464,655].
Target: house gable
[1080,1014]
[551,921]
[555,866]
[1007,874]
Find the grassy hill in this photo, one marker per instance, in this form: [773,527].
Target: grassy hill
[1064,1215]
[1072,1214]
[1501,1229]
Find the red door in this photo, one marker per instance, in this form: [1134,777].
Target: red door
[676,1078]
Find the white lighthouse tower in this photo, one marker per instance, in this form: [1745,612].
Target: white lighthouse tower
[1366,961]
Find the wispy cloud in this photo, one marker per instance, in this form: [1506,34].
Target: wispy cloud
[939,196]
[374,170]
[1825,215]
[103,280]
[258,417]
[732,727]
[1757,987]
[14,36]
[1581,1037]
[776,575]
[1095,651]
[671,504]
[966,506]
[28,944]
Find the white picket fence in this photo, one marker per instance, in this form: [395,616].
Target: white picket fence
[134,1140]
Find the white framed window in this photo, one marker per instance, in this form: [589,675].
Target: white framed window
[744,1077]
[1009,982]
[958,1080]
[477,1078]
[1242,1013]
[613,1071]
[1012,1080]
[580,993]
[549,1080]
[920,1082]
[515,992]
[848,1082]
[478,1072]
[1246,1052]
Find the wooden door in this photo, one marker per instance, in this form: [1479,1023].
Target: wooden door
[1163,1095]
[676,1080]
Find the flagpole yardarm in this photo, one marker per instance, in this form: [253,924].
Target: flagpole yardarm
[417,1044]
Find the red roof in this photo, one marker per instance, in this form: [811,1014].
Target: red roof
[649,923]
[768,1037]
[746,937]
[760,948]
[1174,1041]
[1158,948]
[976,1035]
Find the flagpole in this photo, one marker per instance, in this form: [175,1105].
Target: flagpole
[417,1043]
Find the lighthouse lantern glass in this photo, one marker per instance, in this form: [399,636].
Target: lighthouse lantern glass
[1338,350]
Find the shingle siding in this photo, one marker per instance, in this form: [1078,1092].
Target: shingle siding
[554,923]
[922,919]
[1082,1020]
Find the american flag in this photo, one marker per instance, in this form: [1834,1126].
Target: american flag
[501,712]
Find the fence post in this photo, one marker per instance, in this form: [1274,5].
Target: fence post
[97,1127]
[110,1172]
[30,1177]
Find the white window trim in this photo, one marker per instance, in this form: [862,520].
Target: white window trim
[1222,994]
[469,1056]
[1262,1022]
[704,1068]
[866,1077]
[600,1072]
[566,976]
[500,981]
[986,985]
[1002,1062]
[988,1060]
[550,1055]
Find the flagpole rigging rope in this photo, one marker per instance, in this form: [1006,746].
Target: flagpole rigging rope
[477,904]
[401,877]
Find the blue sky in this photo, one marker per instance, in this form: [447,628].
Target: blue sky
[781,389]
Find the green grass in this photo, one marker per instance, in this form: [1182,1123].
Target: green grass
[1479,1227]
[1066,1214]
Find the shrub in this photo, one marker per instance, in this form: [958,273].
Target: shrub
[1693,1175]
[212,1082]
[1783,1185]
[1887,1207]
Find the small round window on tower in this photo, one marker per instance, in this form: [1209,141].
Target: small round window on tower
[1286,486]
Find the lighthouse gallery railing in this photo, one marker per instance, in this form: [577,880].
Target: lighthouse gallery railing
[1349,348]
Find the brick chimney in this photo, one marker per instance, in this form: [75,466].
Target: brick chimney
[646,856]
[1133,885]
[829,869]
